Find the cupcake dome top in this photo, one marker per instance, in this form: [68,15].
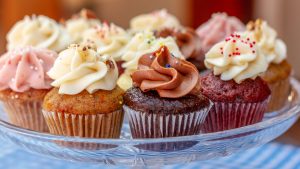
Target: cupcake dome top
[273,48]
[236,58]
[154,21]
[171,77]
[39,31]
[24,68]
[80,68]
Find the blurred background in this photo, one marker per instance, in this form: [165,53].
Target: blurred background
[283,15]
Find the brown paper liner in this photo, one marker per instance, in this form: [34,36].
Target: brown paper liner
[225,116]
[102,125]
[106,125]
[26,114]
[280,91]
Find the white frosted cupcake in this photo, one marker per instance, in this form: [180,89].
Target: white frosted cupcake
[155,20]
[79,23]
[38,31]
[85,95]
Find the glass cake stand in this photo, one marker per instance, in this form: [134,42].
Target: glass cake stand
[149,152]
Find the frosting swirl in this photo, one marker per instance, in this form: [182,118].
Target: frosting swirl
[109,39]
[81,68]
[270,46]
[171,77]
[40,31]
[236,58]
[218,28]
[142,43]
[78,24]
[186,39]
[154,21]
[25,68]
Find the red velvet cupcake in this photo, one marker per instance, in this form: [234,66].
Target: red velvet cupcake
[239,95]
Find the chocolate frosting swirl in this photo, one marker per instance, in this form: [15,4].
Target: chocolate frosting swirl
[187,40]
[169,76]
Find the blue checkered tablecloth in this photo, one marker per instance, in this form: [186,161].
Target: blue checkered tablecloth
[269,156]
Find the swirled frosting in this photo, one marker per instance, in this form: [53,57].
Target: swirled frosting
[217,29]
[142,43]
[109,39]
[236,58]
[78,24]
[39,31]
[186,39]
[154,21]
[24,68]
[81,68]
[171,77]
[270,46]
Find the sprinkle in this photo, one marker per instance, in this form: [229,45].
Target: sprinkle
[251,45]
[248,39]
[253,51]
[221,52]
[168,65]
[229,55]
[234,41]
[31,67]
[236,48]
[254,42]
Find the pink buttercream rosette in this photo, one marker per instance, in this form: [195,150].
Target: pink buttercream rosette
[217,29]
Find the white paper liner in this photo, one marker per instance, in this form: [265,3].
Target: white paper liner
[152,125]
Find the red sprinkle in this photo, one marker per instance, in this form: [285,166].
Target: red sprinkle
[234,41]
[248,39]
[236,48]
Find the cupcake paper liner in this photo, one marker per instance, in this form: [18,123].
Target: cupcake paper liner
[225,116]
[101,125]
[151,125]
[26,114]
[279,94]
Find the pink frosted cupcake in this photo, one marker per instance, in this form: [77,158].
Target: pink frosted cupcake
[23,85]
[218,28]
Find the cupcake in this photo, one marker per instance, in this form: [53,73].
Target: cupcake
[155,20]
[109,39]
[38,31]
[279,70]
[217,29]
[165,100]
[81,22]
[24,84]
[140,44]
[239,95]
[188,42]
[86,101]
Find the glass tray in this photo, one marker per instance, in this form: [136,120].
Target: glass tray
[149,152]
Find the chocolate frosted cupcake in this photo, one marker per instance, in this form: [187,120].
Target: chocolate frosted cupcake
[86,101]
[140,44]
[239,95]
[188,42]
[165,100]
[279,70]
[24,84]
